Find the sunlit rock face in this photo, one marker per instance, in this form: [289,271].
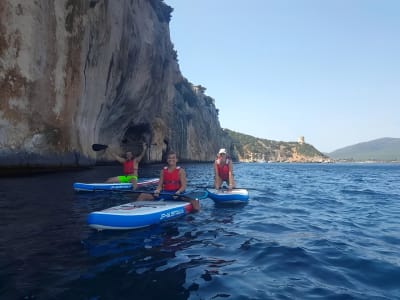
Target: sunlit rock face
[74,73]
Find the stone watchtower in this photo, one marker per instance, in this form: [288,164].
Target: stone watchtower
[300,140]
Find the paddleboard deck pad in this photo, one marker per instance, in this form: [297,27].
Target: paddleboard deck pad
[225,196]
[92,187]
[138,214]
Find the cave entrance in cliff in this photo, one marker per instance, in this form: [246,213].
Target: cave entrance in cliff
[134,137]
[166,149]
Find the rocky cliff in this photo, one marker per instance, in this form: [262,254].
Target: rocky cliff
[74,73]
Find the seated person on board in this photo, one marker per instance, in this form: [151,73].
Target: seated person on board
[172,181]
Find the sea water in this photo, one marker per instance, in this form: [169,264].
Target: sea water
[309,231]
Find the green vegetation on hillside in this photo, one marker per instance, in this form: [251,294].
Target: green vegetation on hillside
[307,150]
[384,149]
[250,148]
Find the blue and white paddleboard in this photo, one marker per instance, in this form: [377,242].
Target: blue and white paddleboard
[225,196]
[90,187]
[138,214]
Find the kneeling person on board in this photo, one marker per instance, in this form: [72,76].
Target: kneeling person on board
[130,168]
[223,170]
[172,181]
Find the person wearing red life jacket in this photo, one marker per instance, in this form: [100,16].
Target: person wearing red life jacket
[223,170]
[130,168]
[172,181]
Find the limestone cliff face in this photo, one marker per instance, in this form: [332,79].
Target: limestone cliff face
[74,73]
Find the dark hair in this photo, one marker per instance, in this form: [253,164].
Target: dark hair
[171,152]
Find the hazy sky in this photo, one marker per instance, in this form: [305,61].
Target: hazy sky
[280,69]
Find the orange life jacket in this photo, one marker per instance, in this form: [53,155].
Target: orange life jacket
[129,167]
[223,170]
[171,180]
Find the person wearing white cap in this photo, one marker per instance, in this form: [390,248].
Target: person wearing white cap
[223,170]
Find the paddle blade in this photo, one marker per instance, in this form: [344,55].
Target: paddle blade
[99,147]
[196,195]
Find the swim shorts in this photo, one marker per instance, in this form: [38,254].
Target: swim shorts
[127,178]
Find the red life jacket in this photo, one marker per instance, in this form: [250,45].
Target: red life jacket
[129,167]
[223,170]
[171,180]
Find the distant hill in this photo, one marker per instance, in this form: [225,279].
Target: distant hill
[247,148]
[384,149]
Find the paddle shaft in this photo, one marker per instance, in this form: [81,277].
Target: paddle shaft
[162,194]
[194,202]
[235,188]
[99,147]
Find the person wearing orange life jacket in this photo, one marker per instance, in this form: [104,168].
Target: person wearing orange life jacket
[130,168]
[223,170]
[172,181]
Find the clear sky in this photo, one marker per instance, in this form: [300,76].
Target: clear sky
[280,69]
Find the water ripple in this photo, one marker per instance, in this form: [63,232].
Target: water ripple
[309,231]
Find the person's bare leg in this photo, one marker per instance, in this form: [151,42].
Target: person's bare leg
[145,197]
[113,180]
[134,183]
[195,204]
[217,183]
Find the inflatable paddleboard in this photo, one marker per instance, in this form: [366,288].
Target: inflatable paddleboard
[138,214]
[225,196]
[91,187]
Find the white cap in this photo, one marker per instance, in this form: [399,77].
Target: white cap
[222,150]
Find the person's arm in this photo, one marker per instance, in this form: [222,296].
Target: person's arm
[141,155]
[182,178]
[117,157]
[231,179]
[216,170]
[217,179]
[160,183]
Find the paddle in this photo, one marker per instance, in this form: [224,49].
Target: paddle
[224,187]
[99,147]
[193,198]
[192,195]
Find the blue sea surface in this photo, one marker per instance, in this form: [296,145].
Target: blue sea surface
[309,231]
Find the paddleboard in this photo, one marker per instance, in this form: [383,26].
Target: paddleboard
[225,196]
[138,214]
[91,187]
